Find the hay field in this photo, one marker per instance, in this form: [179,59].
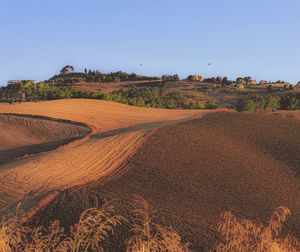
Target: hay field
[117,131]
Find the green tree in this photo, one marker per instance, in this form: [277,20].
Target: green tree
[211,105]
[250,106]
[259,101]
[225,81]
[289,102]
[272,103]
[248,79]
[270,88]
[29,89]
[42,90]
[67,69]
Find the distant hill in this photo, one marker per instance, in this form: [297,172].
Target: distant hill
[96,76]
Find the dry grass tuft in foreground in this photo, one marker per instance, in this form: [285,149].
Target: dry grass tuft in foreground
[149,236]
[96,226]
[244,235]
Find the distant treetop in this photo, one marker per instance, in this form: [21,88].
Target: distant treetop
[67,69]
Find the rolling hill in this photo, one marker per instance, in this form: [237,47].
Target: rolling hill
[117,131]
[193,171]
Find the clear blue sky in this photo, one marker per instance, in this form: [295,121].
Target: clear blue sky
[260,38]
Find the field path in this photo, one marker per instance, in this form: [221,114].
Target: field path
[117,132]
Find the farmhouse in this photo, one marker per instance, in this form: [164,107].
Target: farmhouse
[199,78]
[252,82]
[17,82]
[263,82]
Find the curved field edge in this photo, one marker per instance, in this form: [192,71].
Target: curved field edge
[116,150]
[10,155]
[37,180]
[193,171]
[48,118]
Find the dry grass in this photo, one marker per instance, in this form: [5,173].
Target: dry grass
[149,236]
[245,235]
[97,226]
[93,228]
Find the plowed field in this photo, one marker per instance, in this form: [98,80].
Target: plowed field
[193,171]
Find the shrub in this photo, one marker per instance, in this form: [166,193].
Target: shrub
[289,102]
[258,102]
[166,77]
[211,105]
[249,106]
[153,97]
[198,105]
[270,88]
[272,103]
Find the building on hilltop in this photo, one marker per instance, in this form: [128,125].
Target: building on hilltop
[16,90]
[199,78]
[17,82]
[246,81]
[241,81]
[252,82]
[263,82]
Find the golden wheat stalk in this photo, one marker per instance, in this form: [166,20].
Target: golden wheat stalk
[149,236]
[244,235]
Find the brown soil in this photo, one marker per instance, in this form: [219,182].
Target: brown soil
[21,135]
[193,171]
[117,131]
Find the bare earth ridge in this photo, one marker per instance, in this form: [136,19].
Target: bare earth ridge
[190,170]
[22,135]
[117,131]
[193,171]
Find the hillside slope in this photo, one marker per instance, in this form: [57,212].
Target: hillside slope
[117,131]
[193,171]
[21,135]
